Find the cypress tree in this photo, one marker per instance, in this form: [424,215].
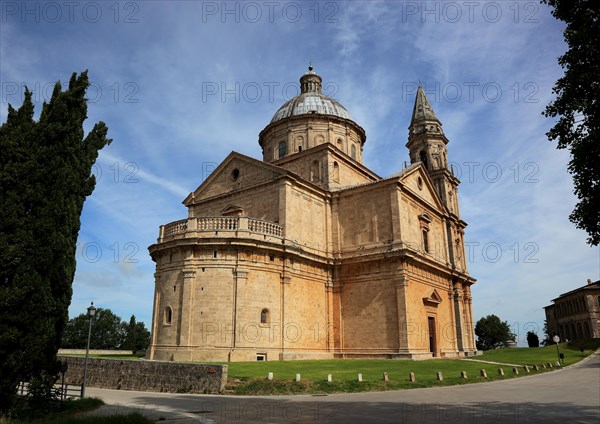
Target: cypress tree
[45,176]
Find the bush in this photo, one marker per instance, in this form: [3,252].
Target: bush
[532,339]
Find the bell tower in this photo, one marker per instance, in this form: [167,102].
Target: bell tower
[427,144]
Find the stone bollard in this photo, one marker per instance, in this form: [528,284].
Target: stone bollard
[297,377]
[463,374]
[329,378]
[483,373]
[543,365]
[526,368]
[385,377]
[359,377]
[549,365]
[500,371]
[270,376]
[515,370]
[558,364]
[439,376]
[411,377]
[535,367]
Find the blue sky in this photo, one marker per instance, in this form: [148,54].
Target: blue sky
[181,84]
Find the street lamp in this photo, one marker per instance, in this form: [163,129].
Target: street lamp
[556,339]
[91,311]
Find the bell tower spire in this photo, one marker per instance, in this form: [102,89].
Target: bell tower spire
[426,139]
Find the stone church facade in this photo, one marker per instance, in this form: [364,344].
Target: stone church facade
[308,254]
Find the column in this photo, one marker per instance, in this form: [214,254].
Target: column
[155,316]
[401,288]
[187,308]
[330,323]
[469,328]
[458,296]
[285,282]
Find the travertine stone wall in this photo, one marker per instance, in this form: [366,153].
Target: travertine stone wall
[304,132]
[216,305]
[153,376]
[326,166]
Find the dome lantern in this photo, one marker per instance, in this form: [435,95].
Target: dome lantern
[311,82]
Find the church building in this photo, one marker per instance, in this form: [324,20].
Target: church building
[308,254]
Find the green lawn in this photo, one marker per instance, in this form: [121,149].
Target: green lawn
[526,356]
[251,377]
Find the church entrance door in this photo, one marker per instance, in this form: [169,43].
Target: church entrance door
[432,344]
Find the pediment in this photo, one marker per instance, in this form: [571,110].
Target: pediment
[236,172]
[232,210]
[417,180]
[433,299]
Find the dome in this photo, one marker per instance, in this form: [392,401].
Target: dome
[311,100]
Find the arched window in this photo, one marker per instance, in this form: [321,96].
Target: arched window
[299,143]
[264,316]
[168,315]
[423,158]
[282,149]
[336,172]
[353,151]
[425,240]
[586,330]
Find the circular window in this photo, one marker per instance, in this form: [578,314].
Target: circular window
[420,183]
[235,174]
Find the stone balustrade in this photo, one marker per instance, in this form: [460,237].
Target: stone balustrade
[194,227]
[218,223]
[265,227]
[173,228]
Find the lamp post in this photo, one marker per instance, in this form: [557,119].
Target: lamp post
[556,339]
[91,311]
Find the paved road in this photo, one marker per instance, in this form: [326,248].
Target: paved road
[571,395]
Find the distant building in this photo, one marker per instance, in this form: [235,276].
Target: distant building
[575,314]
[309,254]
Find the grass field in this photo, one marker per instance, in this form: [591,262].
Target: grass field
[251,377]
[525,356]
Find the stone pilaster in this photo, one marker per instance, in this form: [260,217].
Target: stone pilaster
[458,295]
[401,297]
[187,308]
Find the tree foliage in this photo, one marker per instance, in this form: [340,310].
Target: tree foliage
[44,179]
[532,339]
[547,340]
[108,332]
[492,333]
[136,336]
[577,107]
